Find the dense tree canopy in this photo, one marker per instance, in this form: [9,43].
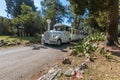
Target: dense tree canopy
[6,27]
[30,21]
[54,10]
[14,9]
[95,7]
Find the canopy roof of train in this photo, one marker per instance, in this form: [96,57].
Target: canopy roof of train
[60,24]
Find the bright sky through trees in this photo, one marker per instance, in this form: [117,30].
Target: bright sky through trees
[2,8]
[37,4]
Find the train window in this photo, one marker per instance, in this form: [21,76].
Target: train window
[67,29]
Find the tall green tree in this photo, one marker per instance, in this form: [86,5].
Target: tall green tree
[54,10]
[79,7]
[111,9]
[14,9]
[31,22]
[112,26]
[96,6]
[6,27]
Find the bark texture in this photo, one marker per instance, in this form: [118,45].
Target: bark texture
[112,25]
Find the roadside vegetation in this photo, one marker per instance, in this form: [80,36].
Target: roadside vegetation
[9,41]
[102,62]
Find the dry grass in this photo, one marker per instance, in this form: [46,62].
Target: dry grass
[101,69]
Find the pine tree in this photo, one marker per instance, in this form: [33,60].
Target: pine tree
[54,10]
[96,6]
[14,9]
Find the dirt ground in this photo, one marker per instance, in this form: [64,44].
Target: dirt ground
[101,69]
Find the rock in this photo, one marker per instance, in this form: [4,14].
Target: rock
[66,61]
[18,43]
[69,73]
[42,46]
[27,43]
[8,44]
[36,47]
[52,74]
[83,66]
[78,70]
[2,41]
[5,43]
[91,59]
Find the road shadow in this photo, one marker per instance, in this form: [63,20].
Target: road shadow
[63,47]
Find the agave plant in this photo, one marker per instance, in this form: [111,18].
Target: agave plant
[88,45]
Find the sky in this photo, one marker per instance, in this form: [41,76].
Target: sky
[36,2]
[3,7]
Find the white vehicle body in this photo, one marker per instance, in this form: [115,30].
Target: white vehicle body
[60,34]
[75,34]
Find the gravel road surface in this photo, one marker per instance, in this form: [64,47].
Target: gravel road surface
[22,62]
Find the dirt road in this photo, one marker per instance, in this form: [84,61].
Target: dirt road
[22,62]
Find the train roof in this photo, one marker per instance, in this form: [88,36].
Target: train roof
[60,24]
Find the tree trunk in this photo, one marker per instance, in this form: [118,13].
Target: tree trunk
[75,23]
[112,25]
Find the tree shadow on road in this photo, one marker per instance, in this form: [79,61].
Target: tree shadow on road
[63,47]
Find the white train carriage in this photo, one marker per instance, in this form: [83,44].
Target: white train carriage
[60,34]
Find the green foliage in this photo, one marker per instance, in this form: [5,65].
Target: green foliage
[12,38]
[98,23]
[14,6]
[106,54]
[35,40]
[78,6]
[54,10]
[77,9]
[97,11]
[31,21]
[25,16]
[6,28]
[89,44]
[15,40]
[102,20]
[36,35]
[97,6]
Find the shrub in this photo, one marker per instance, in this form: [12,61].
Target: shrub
[89,44]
